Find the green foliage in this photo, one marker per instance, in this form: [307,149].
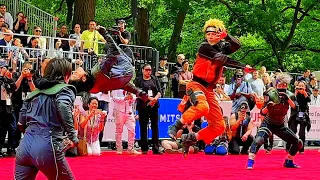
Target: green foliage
[263,29]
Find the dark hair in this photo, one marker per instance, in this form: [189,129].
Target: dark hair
[84,86]
[19,13]
[3,5]
[312,78]
[165,58]
[30,41]
[57,69]
[5,25]
[145,65]
[92,21]
[91,99]
[184,62]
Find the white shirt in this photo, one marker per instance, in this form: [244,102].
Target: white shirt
[8,19]
[122,105]
[226,88]
[257,86]
[78,44]
[42,44]
[102,96]
[315,101]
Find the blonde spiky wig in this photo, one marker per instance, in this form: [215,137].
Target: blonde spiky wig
[213,25]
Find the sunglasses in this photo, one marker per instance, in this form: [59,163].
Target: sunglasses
[299,88]
[239,76]
[148,69]
[38,31]
[244,107]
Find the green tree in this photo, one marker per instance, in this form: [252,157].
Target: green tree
[280,24]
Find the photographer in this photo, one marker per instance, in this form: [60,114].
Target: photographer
[24,84]
[300,115]
[240,91]
[6,109]
[20,26]
[123,36]
[241,128]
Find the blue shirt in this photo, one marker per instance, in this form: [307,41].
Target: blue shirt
[245,87]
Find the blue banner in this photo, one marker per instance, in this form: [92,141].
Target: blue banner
[168,114]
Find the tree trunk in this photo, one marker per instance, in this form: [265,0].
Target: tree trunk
[175,37]
[70,11]
[142,27]
[84,11]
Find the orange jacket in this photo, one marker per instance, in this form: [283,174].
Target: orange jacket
[207,70]
[211,59]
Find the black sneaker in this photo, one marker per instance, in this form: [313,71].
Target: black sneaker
[187,141]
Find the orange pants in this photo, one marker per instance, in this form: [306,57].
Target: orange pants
[208,107]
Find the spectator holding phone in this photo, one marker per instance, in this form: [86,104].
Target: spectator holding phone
[123,36]
[20,26]
[90,126]
[24,83]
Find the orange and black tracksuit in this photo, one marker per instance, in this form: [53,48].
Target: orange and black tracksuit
[207,70]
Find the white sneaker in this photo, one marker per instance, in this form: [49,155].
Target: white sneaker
[119,151]
[134,152]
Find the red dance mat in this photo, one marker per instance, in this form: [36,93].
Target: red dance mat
[195,167]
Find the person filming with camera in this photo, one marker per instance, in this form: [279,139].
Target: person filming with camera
[123,36]
[300,115]
[7,86]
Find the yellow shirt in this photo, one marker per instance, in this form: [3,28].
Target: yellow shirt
[91,36]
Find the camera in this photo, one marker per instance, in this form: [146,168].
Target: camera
[282,90]
[114,30]
[23,20]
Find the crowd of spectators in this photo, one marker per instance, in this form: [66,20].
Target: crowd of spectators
[24,59]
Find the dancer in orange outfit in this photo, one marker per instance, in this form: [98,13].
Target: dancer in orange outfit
[208,67]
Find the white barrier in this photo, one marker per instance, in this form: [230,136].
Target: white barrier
[314,114]
[109,130]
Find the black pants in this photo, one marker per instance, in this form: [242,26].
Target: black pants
[6,121]
[144,115]
[181,94]
[268,144]
[236,142]
[281,131]
[293,125]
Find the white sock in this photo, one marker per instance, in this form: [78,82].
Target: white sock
[252,156]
